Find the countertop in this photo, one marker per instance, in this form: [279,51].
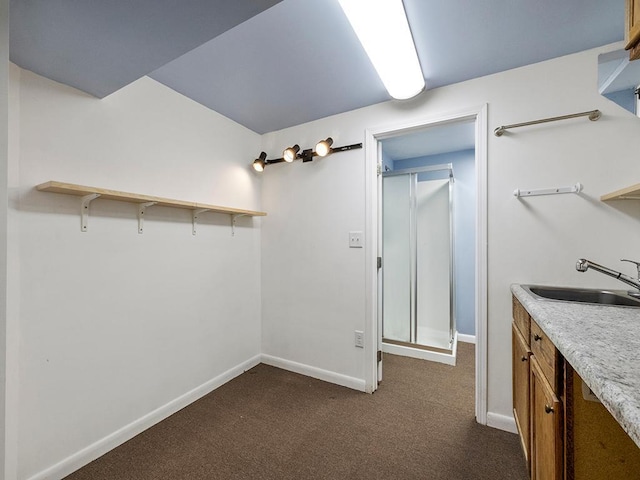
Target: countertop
[602,344]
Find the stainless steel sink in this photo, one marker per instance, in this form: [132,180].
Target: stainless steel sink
[583,295]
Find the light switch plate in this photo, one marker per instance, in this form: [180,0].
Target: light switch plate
[355,240]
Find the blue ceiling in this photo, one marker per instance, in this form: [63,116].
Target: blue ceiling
[101,46]
[270,64]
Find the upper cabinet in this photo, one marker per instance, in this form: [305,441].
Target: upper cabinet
[618,74]
[632,29]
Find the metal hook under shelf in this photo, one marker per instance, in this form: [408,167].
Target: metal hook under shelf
[577,188]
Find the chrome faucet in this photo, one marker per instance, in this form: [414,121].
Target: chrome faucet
[582,265]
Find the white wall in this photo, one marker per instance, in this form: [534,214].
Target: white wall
[4,160]
[314,293]
[115,325]
[313,283]
[12,398]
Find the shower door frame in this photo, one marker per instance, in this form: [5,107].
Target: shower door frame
[373,179]
[413,280]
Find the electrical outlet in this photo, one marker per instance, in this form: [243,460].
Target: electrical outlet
[355,240]
[359,336]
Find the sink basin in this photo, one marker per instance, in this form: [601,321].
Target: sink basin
[583,295]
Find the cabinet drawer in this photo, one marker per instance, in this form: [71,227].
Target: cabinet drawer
[521,318]
[547,355]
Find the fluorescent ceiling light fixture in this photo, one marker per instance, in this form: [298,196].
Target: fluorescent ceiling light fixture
[383,30]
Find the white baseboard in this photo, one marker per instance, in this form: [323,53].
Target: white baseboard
[320,374]
[466,338]
[102,446]
[446,358]
[501,422]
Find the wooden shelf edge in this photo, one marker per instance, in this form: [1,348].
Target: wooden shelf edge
[628,193]
[82,190]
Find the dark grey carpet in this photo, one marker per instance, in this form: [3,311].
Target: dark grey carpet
[272,424]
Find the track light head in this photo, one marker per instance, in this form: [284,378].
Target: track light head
[291,153]
[323,147]
[260,162]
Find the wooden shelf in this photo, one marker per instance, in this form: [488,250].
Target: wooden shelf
[81,191]
[89,194]
[629,193]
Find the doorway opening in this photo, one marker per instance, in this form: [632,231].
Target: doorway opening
[447,145]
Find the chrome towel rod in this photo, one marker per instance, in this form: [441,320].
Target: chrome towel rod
[592,114]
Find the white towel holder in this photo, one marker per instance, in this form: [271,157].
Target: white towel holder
[577,188]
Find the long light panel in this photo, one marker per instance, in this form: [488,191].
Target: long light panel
[383,30]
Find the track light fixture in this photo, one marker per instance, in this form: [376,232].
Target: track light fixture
[260,162]
[291,153]
[307,155]
[323,148]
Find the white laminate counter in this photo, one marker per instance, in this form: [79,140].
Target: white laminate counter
[602,344]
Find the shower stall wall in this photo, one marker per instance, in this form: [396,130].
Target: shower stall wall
[417,250]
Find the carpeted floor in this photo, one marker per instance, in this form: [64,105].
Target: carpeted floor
[272,424]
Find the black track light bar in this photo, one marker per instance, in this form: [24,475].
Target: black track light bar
[304,155]
[346,148]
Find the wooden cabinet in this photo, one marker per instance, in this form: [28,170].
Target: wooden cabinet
[597,448]
[537,384]
[546,427]
[521,392]
[566,433]
[548,357]
[632,29]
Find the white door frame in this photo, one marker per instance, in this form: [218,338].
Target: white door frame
[372,244]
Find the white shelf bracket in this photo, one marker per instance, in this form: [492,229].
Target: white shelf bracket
[195,214]
[141,208]
[233,222]
[84,210]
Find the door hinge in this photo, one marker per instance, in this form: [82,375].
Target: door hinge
[379,356]
[379,263]
[379,169]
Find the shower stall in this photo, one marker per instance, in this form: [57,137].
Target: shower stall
[417,250]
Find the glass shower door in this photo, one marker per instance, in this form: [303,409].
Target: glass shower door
[417,291]
[434,287]
[397,273]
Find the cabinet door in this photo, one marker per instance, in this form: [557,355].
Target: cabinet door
[597,447]
[546,428]
[520,370]
[632,30]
